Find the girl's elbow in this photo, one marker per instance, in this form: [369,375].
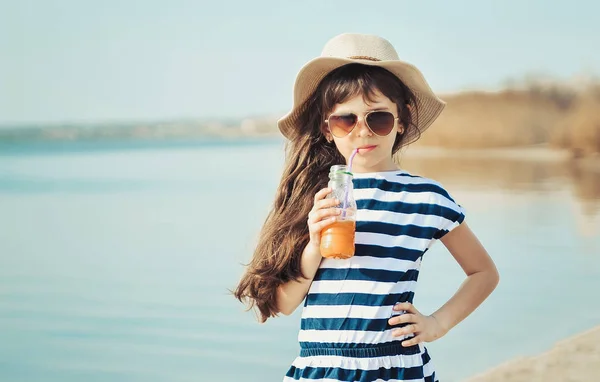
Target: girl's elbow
[286,311]
[287,306]
[494,278]
[283,305]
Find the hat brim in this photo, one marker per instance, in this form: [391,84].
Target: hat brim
[429,106]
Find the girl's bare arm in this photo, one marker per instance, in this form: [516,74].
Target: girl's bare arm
[291,294]
[482,276]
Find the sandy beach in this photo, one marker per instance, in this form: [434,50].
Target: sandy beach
[534,153]
[538,153]
[573,359]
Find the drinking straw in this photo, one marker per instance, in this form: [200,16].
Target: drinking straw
[347,184]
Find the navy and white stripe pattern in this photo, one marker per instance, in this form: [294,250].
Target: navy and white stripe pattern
[344,334]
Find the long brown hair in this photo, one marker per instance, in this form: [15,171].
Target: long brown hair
[309,156]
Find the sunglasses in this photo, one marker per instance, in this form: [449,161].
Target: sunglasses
[379,122]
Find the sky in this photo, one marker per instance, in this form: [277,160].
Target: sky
[119,61]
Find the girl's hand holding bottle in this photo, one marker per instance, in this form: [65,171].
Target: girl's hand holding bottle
[322,214]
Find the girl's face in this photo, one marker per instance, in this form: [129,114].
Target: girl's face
[375,152]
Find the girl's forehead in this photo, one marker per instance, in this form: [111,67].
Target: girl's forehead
[360,101]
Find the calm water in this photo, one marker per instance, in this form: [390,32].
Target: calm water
[115,260]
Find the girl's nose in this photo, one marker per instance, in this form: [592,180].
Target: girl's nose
[361,129]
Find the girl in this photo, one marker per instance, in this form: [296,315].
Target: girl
[358,322]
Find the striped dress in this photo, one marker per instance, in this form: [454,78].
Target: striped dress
[344,334]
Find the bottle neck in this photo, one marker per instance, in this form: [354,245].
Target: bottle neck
[340,174]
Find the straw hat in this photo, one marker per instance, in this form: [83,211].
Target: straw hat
[372,50]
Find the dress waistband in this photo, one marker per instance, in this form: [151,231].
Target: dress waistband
[369,351]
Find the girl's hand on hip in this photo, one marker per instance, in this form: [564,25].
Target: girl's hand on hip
[424,328]
[321,215]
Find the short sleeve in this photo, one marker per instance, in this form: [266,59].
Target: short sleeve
[450,214]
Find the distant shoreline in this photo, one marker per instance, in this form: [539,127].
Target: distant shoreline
[560,115]
[537,153]
[111,144]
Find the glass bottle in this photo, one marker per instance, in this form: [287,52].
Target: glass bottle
[337,239]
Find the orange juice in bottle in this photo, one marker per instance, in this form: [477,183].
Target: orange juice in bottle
[337,239]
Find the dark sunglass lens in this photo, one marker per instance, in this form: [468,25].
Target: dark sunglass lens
[341,125]
[381,122]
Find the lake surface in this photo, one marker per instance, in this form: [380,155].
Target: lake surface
[116,260]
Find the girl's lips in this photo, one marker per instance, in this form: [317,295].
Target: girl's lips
[366,149]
